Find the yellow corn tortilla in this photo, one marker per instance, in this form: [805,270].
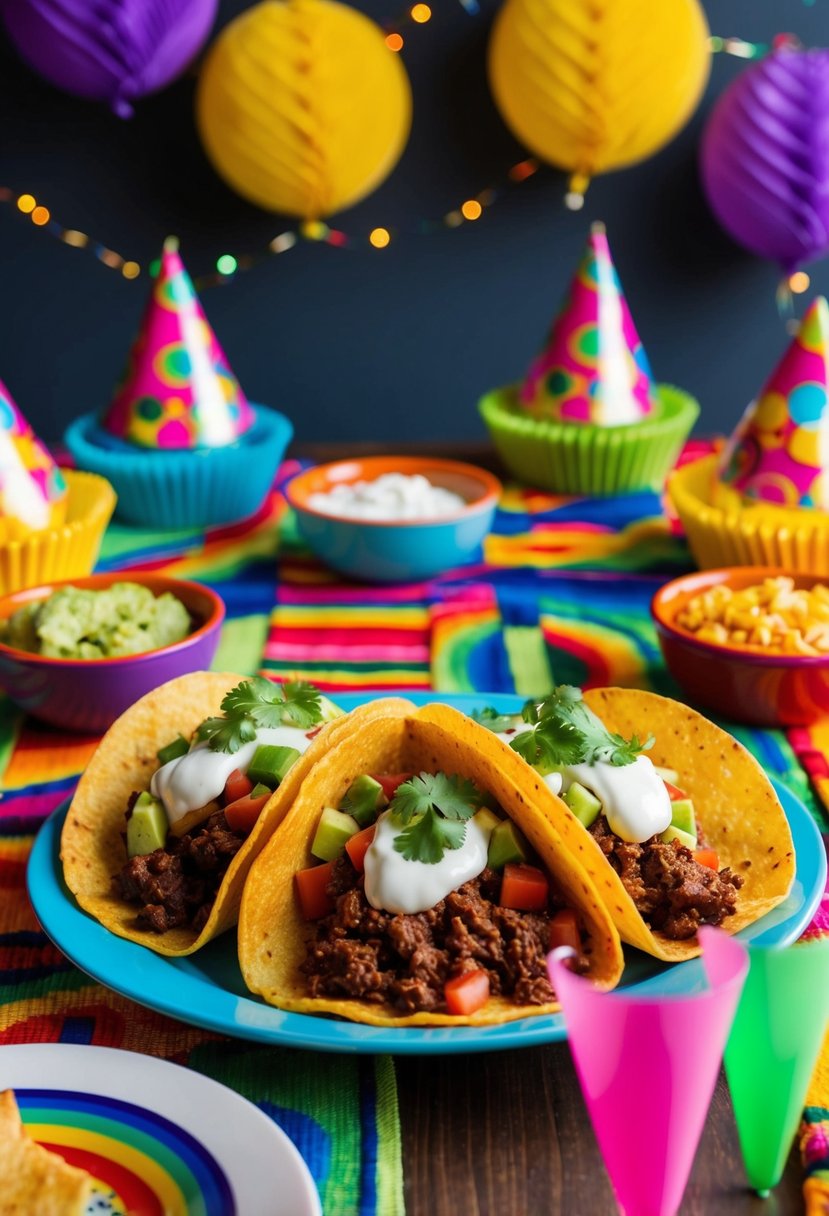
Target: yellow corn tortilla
[272,934]
[734,801]
[92,843]
[35,1180]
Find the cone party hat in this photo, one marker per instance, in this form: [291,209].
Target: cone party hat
[593,368]
[779,452]
[178,390]
[32,489]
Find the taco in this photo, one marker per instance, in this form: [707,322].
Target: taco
[392,894]
[675,821]
[182,793]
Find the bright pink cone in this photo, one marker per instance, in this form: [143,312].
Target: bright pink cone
[648,1068]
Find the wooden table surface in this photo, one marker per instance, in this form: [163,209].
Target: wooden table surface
[507,1134]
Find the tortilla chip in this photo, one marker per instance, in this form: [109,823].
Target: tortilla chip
[272,934]
[32,1179]
[92,842]
[734,800]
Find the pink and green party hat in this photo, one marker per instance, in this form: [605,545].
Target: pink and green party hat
[593,368]
[779,452]
[32,488]
[178,390]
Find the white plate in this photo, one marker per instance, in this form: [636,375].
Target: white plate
[157,1136]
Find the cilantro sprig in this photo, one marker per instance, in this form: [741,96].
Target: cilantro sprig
[259,702]
[433,810]
[564,730]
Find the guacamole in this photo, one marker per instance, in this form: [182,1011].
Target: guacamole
[74,623]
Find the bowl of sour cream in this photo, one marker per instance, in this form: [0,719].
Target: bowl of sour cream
[394,519]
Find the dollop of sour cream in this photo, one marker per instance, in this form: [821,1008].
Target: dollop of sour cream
[396,885]
[196,778]
[634,799]
[392,496]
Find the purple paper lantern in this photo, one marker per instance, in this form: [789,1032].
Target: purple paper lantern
[109,50]
[765,157]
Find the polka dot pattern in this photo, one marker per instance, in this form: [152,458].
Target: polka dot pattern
[32,488]
[781,446]
[593,368]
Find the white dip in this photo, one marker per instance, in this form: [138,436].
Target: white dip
[393,496]
[397,885]
[196,778]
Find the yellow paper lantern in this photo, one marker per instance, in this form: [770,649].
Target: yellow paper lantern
[596,86]
[301,106]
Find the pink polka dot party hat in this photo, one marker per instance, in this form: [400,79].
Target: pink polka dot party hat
[178,390]
[779,453]
[32,487]
[588,417]
[593,367]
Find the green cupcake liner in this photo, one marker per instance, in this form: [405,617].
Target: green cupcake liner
[580,458]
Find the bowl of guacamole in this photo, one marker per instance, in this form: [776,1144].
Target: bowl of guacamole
[77,654]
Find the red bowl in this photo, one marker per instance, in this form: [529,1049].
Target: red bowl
[760,689]
[87,695]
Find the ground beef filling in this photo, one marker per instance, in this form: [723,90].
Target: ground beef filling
[672,891]
[404,960]
[177,885]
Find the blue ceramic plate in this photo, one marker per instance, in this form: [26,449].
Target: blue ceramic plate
[206,988]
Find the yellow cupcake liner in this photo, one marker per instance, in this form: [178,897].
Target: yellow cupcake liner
[582,458]
[68,551]
[756,535]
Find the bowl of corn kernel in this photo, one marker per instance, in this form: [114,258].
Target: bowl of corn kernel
[750,642]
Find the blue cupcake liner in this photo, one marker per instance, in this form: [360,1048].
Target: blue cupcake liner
[185,489]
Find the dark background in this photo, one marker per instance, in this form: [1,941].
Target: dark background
[359,344]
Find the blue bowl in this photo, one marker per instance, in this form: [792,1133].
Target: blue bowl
[395,551]
[185,489]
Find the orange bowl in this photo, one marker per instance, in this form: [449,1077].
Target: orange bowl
[760,688]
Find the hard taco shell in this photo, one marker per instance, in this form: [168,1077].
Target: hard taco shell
[735,803]
[92,841]
[272,934]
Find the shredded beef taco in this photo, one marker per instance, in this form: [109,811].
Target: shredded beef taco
[675,821]
[414,883]
[183,792]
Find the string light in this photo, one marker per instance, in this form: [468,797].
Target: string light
[394,42]
[799,282]
[26,203]
[471,209]
[40,216]
[420,13]
[227,264]
[379,237]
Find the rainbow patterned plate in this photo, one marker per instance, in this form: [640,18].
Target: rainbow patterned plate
[158,1139]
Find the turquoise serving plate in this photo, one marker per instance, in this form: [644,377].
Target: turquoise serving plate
[206,988]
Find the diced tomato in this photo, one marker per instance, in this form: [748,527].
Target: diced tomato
[357,846]
[242,814]
[564,930]
[674,792]
[390,782]
[313,732]
[524,888]
[238,785]
[314,902]
[466,993]
[707,857]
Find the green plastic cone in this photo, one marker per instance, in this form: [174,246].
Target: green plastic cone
[772,1051]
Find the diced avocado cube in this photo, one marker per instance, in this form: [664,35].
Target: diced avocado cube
[672,833]
[682,816]
[364,799]
[582,802]
[506,844]
[146,826]
[260,790]
[333,830]
[270,764]
[179,747]
[487,820]
[668,774]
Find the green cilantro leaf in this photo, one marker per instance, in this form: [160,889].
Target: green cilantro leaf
[226,734]
[550,743]
[260,702]
[566,731]
[302,704]
[433,809]
[492,720]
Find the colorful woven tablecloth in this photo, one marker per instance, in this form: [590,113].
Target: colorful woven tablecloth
[561,593]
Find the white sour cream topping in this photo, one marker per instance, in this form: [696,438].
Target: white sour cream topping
[196,778]
[389,497]
[397,885]
[633,796]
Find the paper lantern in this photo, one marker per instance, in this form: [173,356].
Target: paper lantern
[112,50]
[592,87]
[765,157]
[301,106]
